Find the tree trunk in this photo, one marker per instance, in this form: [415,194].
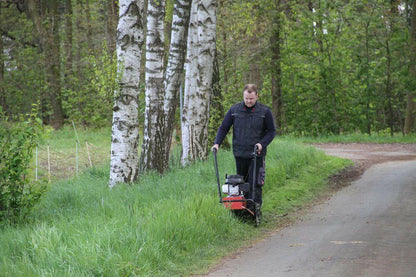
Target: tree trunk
[191,69]
[369,85]
[388,92]
[111,25]
[68,44]
[276,70]
[196,114]
[54,67]
[153,137]
[124,164]
[217,107]
[79,37]
[174,70]
[410,121]
[89,35]
[44,15]
[3,103]
[389,73]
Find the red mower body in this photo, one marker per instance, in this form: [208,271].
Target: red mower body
[234,202]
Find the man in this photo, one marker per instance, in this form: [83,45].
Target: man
[252,126]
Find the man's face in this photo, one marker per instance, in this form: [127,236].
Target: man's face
[250,98]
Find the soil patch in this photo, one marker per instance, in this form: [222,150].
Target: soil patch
[364,155]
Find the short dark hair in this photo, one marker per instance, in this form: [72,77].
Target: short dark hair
[250,88]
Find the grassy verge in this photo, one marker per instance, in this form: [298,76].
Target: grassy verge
[169,225]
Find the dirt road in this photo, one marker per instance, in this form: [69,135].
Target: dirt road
[366,229]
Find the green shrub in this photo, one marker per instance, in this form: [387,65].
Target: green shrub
[18,193]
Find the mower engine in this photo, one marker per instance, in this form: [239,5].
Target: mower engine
[235,187]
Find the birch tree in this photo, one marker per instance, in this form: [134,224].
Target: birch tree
[153,138]
[162,90]
[125,127]
[190,84]
[198,80]
[174,70]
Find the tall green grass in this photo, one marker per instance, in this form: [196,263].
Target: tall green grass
[171,225]
[295,175]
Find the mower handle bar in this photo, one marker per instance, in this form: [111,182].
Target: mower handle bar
[214,150]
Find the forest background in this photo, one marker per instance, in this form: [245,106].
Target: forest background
[325,67]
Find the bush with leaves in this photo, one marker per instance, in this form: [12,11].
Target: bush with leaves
[18,192]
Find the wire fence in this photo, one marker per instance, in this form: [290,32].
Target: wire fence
[65,161]
[55,164]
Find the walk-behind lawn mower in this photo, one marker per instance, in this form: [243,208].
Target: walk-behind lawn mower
[236,195]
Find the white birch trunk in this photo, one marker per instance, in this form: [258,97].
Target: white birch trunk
[198,84]
[153,139]
[190,87]
[174,70]
[207,21]
[125,127]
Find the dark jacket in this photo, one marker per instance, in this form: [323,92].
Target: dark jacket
[250,126]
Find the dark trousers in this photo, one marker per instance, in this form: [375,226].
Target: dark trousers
[245,169]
